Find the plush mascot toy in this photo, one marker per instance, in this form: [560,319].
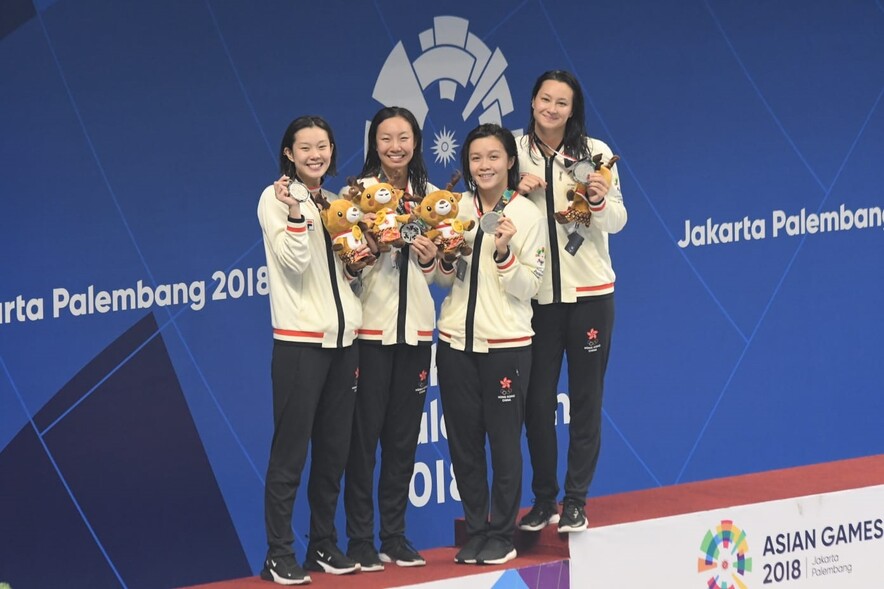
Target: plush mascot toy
[381,199]
[341,220]
[578,209]
[436,215]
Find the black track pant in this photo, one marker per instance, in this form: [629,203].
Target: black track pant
[484,395]
[393,383]
[314,391]
[582,331]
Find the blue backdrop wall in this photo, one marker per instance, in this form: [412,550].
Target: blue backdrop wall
[137,136]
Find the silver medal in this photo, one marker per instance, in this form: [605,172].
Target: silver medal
[409,232]
[581,170]
[298,191]
[489,222]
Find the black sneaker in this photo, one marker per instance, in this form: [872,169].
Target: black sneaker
[541,514]
[284,570]
[467,554]
[367,557]
[326,557]
[496,551]
[399,550]
[573,517]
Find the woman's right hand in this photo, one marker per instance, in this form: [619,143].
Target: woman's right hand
[281,189]
[530,182]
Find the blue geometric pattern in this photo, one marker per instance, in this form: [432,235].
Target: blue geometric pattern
[110,477]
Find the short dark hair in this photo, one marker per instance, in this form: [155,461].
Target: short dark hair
[286,166]
[506,138]
[575,128]
[417,169]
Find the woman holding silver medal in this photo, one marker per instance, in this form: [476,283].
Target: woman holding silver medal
[396,339]
[484,351]
[574,309]
[315,357]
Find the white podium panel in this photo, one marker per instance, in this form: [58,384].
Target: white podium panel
[825,540]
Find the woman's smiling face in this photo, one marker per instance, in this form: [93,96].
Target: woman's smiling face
[552,106]
[311,153]
[395,141]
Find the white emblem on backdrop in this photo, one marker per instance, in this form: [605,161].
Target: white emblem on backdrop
[444,146]
[453,57]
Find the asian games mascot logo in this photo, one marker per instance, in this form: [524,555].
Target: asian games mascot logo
[453,57]
[724,557]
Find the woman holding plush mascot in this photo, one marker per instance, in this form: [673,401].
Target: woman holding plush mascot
[315,357]
[574,310]
[484,351]
[395,346]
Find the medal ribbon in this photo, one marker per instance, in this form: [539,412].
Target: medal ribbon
[564,155]
[504,200]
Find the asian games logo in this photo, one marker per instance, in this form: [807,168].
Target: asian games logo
[454,58]
[724,557]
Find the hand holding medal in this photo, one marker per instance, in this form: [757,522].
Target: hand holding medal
[501,227]
[298,191]
[595,175]
[281,191]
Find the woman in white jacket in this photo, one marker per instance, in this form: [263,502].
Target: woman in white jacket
[574,309]
[315,315]
[484,351]
[396,340]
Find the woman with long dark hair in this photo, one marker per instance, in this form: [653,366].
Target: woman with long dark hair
[395,346]
[574,309]
[394,139]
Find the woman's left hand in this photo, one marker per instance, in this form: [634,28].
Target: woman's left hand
[597,187]
[505,231]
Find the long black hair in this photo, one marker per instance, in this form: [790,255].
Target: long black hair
[506,138]
[287,166]
[417,169]
[574,142]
